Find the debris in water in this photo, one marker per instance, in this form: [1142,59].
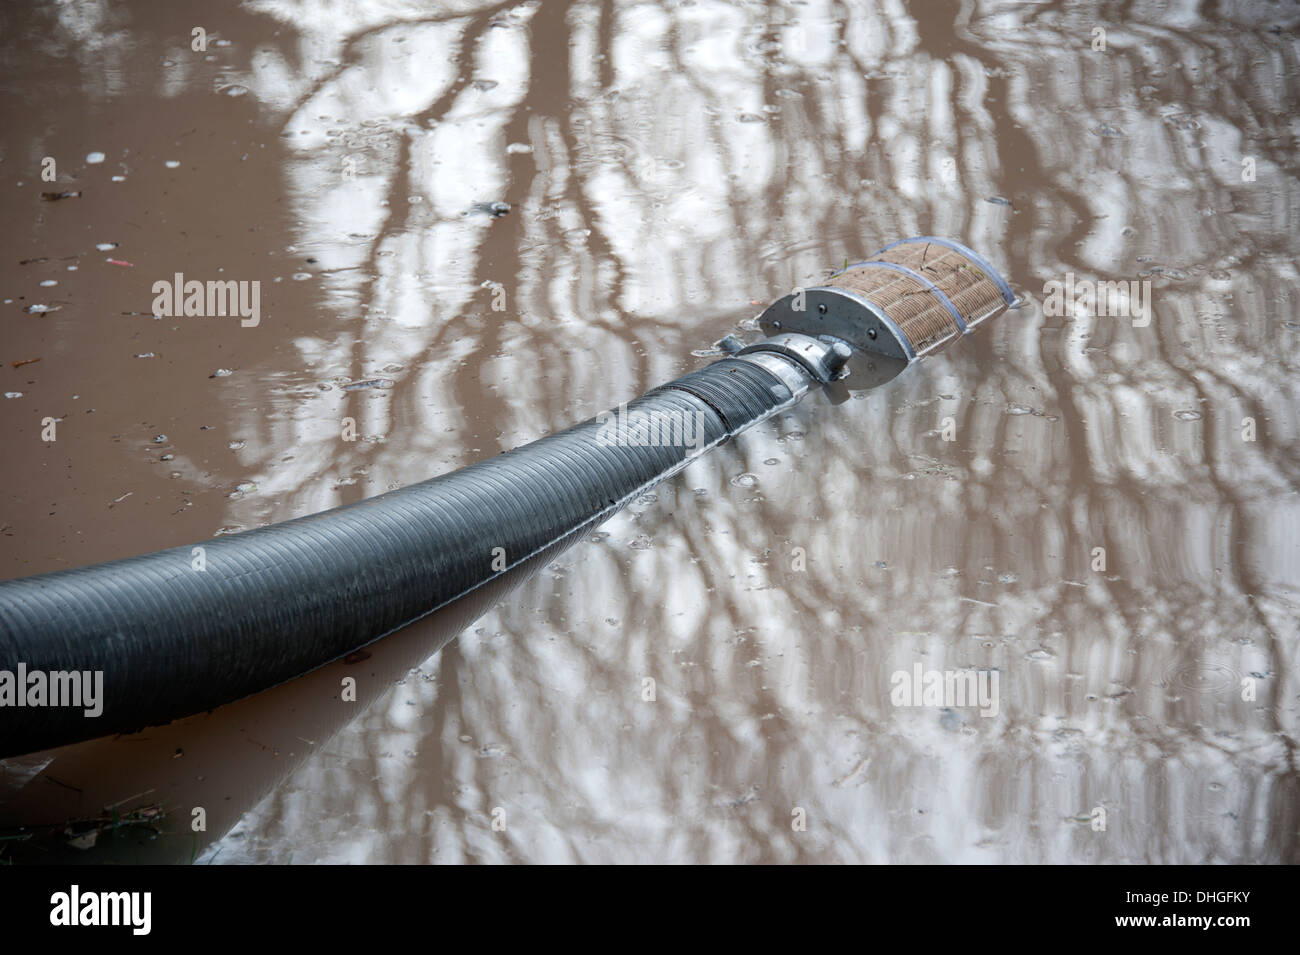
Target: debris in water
[106,246]
[1187,415]
[86,840]
[999,201]
[369,383]
[41,309]
[56,196]
[95,159]
[221,373]
[484,85]
[24,361]
[120,262]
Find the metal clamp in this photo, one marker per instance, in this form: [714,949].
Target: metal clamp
[824,358]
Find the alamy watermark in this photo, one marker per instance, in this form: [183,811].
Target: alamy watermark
[1121,299]
[212,299]
[946,688]
[76,688]
[650,429]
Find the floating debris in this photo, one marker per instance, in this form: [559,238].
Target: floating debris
[106,246]
[95,159]
[1187,415]
[172,164]
[382,383]
[221,373]
[146,354]
[235,90]
[999,201]
[56,196]
[24,361]
[41,309]
[128,265]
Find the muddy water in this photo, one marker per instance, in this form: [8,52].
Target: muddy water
[1099,509]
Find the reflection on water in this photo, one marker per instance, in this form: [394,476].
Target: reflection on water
[669,167]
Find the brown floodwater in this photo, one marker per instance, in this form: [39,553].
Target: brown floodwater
[669,168]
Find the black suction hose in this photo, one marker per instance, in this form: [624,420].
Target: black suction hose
[276,602]
[172,635]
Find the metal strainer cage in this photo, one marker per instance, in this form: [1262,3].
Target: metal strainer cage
[910,299]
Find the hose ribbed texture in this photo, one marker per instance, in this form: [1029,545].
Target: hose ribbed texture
[279,601]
